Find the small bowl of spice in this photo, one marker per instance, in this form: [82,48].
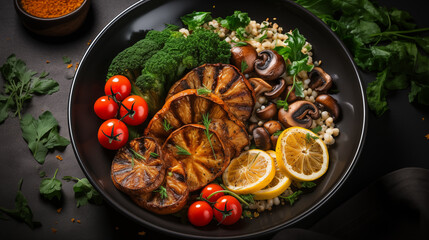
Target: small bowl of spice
[52,17]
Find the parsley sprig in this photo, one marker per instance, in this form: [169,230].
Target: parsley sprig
[84,192]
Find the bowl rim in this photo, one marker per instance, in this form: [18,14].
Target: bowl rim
[18,5]
[270,230]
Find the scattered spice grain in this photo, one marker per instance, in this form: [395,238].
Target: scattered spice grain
[59,157]
[427,136]
[142,233]
[72,220]
[59,210]
[50,8]
[54,230]
[70,65]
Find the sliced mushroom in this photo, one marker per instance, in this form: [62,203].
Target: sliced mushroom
[252,127]
[269,65]
[261,138]
[328,103]
[274,139]
[320,80]
[268,112]
[260,86]
[272,126]
[247,54]
[292,96]
[299,114]
[277,90]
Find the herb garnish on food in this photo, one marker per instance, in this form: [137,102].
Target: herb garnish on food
[19,86]
[21,212]
[293,197]
[206,123]
[182,151]
[382,40]
[42,135]
[162,192]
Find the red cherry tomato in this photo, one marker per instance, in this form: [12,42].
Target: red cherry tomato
[211,188]
[228,206]
[200,213]
[119,86]
[105,107]
[137,108]
[113,134]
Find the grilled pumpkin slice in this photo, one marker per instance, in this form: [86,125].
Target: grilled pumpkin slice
[171,196]
[224,80]
[204,159]
[188,107]
[138,167]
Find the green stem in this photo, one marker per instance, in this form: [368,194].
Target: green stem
[55,174]
[399,32]
[231,193]
[293,87]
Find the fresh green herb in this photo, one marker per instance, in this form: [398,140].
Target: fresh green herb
[42,174]
[66,60]
[154,155]
[167,126]
[42,135]
[19,86]
[237,20]
[132,162]
[307,185]
[21,212]
[382,40]
[241,33]
[137,155]
[196,19]
[206,123]
[309,138]
[317,129]
[277,133]
[240,44]
[162,192]
[182,151]
[249,198]
[84,192]
[203,91]
[172,27]
[247,214]
[262,38]
[51,187]
[170,174]
[243,66]
[293,197]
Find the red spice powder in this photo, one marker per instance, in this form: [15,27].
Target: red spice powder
[50,8]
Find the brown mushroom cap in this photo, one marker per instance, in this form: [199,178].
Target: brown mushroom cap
[300,114]
[268,112]
[252,127]
[261,138]
[272,126]
[245,53]
[269,65]
[274,139]
[320,80]
[260,86]
[292,96]
[328,103]
[277,90]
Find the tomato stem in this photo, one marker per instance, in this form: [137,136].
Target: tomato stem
[231,193]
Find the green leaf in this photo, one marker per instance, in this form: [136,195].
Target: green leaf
[162,192]
[41,135]
[249,198]
[307,184]
[66,60]
[397,82]
[51,187]
[85,192]
[419,93]
[299,89]
[244,66]
[42,174]
[317,129]
[196,19]
[236,20]
[182,151]
[5,107]
[240,44]
[423,42]
[298,66]
[47,86]
[240,32]
[22,211]
[401,18]
[295,42]
[277,133]
[293,197]
[376,94]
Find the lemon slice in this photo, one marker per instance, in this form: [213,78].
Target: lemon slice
[302,154]
[277,186]
[251,171]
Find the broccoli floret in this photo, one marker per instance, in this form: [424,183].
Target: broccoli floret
[178,55]
[132,60]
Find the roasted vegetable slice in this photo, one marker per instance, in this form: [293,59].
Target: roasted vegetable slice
[204,159]
[225,81]
[138,167]
[171,196]
[188,107]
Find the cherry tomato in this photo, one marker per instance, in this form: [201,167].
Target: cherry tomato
[200,213]
[228,206]
[119,86]
[113,134]
[137,108]
[211,188]
[105,107]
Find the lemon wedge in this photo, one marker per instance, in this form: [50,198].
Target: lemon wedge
[301,154]
[277,186]
[251,171]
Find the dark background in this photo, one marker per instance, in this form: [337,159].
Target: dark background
[395,140]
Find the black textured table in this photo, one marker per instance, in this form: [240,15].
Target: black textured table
[395,140]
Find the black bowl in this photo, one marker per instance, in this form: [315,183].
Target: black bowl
[131,25]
